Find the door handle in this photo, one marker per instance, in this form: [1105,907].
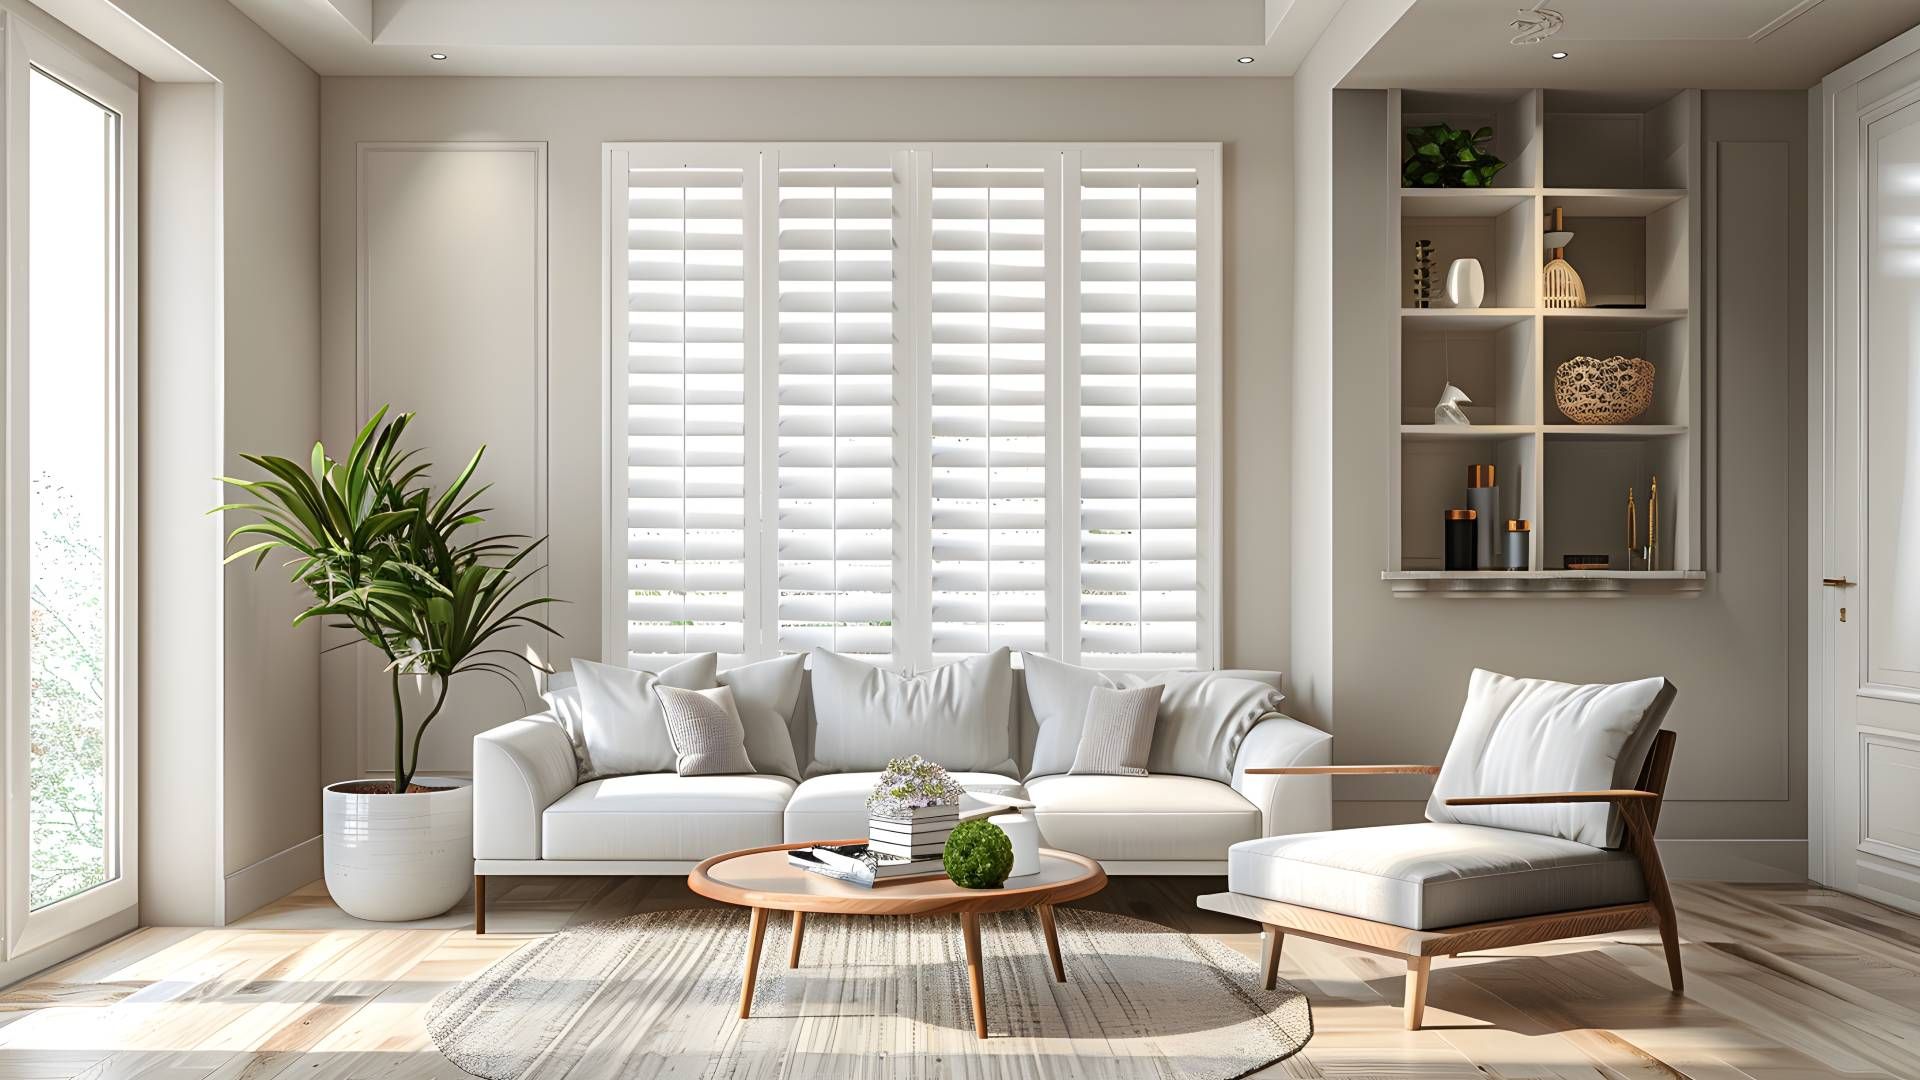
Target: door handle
[1836,583]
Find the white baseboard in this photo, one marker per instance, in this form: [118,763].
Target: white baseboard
[1735,860]
[253,887]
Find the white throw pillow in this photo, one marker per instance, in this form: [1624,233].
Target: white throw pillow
[767,693]
[1117,738]
[708,738]
[1204,715]
[564,703]
[957,716]
[1526,736]
[625,729]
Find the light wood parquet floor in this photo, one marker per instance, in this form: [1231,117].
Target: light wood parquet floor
[1783,983]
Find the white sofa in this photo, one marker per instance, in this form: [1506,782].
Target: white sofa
[532,817]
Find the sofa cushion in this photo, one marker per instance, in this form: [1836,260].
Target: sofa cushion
[1432,875]
[563,703]
[621,720]
[1141,818]
[834,806]
[767,693]
[957,716]
[1519,736]
[1203,715]
[664,816]
[704,726]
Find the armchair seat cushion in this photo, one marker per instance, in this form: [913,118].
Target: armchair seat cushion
[834,806]
[1433,875]
[663,816]
[1141,818]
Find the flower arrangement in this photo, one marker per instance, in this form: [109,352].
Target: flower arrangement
[978,855]
[909,784]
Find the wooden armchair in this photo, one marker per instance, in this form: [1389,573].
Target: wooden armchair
[1400,890]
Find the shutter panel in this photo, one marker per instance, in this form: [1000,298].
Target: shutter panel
[1138,397]
[988,408]
[685,386]
[834,344]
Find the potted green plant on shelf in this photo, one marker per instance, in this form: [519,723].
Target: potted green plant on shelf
[1441,155]
[401,566]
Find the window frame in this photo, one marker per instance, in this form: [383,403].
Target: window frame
[912,616]
[27,49]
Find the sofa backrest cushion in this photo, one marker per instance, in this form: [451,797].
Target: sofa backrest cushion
[1522,736]
[563,702]
[956,715]
[1203,714]
[621,719]
[767,694]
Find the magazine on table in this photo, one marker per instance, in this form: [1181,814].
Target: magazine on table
[857,864]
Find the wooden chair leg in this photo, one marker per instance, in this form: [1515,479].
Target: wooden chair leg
[1415,1003]
[479,903]
[1640,841]
[1270,943]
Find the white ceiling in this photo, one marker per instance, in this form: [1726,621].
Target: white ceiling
[1758,44]
[796,37]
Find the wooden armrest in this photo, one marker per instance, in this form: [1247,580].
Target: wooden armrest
[1348,770]
[1619,795]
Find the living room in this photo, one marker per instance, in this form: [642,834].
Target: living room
[737,538]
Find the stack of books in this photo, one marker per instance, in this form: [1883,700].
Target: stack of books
[920,834]
[857,864]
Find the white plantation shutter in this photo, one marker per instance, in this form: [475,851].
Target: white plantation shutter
[993,286]
[833,352]
[1139,387]
[913,403]
[679,390]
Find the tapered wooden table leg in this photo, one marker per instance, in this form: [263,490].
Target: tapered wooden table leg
[1415,1004]
[799,931]
[1270,944]
[756,932]
[976,984]
[1053,942]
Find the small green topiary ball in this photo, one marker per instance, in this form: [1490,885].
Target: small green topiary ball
[978,855]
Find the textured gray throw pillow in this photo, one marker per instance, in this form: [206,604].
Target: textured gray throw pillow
[708,737]
[1117,737]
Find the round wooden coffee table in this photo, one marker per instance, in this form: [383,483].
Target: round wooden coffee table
[760,879]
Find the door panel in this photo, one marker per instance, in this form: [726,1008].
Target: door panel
[1890,593]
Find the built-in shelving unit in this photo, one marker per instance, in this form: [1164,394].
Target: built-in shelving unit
[1623,168]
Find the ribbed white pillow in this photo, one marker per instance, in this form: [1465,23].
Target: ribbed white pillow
[704,725]
[1117,738]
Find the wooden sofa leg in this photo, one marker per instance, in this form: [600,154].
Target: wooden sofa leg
[1270,942]
[1415,1004]
[479,903]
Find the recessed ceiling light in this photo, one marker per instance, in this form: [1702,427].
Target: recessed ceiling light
[443,56]
[1559,56]
[1246,59]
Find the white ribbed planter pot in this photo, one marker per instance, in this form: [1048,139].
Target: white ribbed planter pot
[396,858]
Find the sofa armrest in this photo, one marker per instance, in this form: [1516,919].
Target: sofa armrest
[1288,803]
[519,769]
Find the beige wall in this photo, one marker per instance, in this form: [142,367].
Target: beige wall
[572,117]
[1398,668]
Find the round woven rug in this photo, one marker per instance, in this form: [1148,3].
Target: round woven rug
[656,995]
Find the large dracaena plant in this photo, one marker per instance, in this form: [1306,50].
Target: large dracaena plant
[386,557]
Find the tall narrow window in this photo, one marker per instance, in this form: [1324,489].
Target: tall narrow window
[70,494]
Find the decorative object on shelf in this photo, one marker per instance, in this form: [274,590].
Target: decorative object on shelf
[1560,287]
[1466,283]
[1423,273]
[1616,390]
[1633,529]
[1449,411]
[978,855]
[1519,543]
[1013,816]
[385,556]
[1460,540]
[1441,155]
[1652,557]
[914,808]
[1586,562]
[1483,497]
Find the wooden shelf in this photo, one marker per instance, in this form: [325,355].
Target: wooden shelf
[1610,202]
[1496,583]
[1463,202]
[1613,318]
[1443,319]
[1466,431]
[1614,431]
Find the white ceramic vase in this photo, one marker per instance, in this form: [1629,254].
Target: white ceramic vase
[396,858]
[1466,284]
[1024,832]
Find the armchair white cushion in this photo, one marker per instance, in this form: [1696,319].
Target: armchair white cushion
[1431,875]
[522,768]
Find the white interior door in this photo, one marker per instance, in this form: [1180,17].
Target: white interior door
[1867,623]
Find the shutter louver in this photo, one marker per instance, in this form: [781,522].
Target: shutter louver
[834,421]
[988,410]
[686,412]
[1138,397]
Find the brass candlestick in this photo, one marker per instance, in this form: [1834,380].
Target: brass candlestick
[1633,532]
[1653,523]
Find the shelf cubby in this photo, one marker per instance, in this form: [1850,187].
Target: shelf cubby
[1434,480]
[1514,116]
[1664,344]
[1585,482]
[1492,362]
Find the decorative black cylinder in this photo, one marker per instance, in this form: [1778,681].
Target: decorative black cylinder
[1461,540]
